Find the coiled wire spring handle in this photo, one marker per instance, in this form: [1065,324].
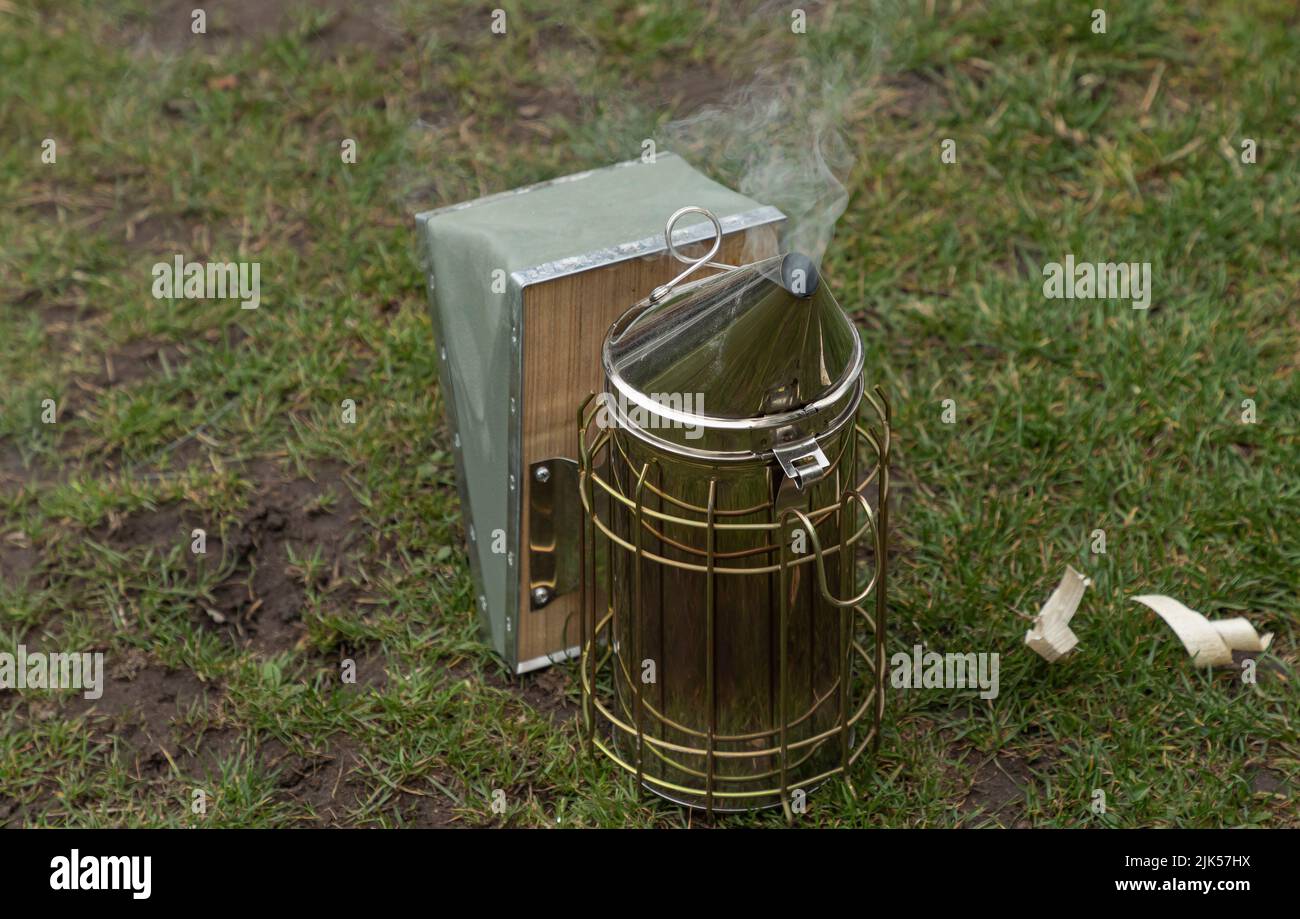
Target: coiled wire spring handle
[692,265]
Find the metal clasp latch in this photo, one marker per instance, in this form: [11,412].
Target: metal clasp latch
[802,463]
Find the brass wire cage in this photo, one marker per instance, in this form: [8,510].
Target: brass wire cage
[628,533]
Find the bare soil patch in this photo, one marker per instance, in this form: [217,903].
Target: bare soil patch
[685,88]
[371,668]
[997,790]
[19,560]
[145,233]
[1266,781]
[429,810]
[335,25]
[909,96]
[547,691]
[312,517]
[326,782]
[260,603]
[141,712]
[138,360]
[159,528]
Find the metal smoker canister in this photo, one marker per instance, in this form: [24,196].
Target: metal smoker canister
[726,648]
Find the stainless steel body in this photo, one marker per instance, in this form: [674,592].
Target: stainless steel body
[731,657]
[743,701]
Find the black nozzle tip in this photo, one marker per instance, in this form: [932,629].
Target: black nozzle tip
[799,275]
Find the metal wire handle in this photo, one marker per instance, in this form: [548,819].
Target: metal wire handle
[693,265]
[845,502]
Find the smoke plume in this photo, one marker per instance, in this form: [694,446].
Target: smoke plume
[779,141]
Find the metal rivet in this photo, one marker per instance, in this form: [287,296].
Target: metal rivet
[482,603]
[442,352]
[512,405]
[472,537]
[510,558]
[541,596]
[512,481]
[542,474]
[455,439]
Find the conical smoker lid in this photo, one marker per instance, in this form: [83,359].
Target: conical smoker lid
[728,367]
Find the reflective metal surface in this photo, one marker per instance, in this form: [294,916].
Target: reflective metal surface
[729,657]
[732,652]
[731,367]
[554,519]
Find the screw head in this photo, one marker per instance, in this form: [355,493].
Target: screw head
[541,596]
[542,473]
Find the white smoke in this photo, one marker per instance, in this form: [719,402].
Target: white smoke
[779,141]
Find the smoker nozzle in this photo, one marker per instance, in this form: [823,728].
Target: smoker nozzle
[799,275]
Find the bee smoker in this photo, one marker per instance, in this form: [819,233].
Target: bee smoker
[732,647]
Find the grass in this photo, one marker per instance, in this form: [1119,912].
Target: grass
[1071,416]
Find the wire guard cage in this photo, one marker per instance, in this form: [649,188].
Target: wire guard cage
[732,642]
